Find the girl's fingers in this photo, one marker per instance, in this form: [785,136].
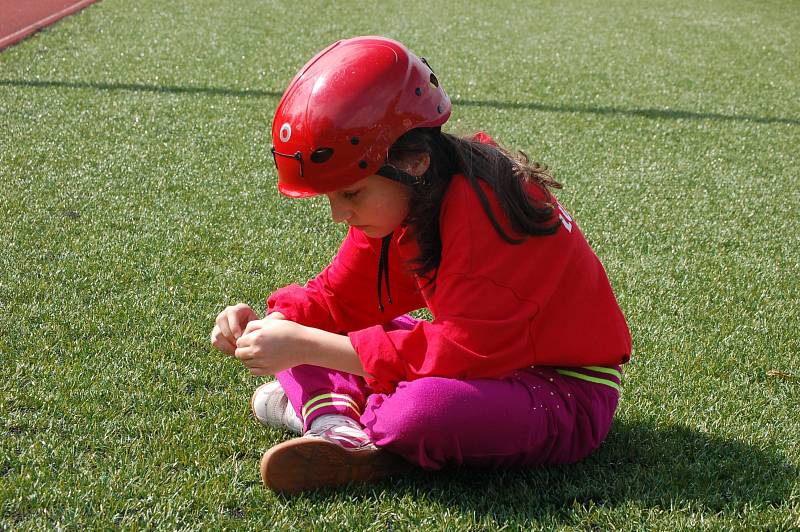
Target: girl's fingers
[220,342]
[247,315]
[260,368]
[240,314]
[252,326]
[244,340]
[244,354]
[224,327]
[225,346]
[234,325]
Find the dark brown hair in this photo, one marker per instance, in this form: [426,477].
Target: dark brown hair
[507,174]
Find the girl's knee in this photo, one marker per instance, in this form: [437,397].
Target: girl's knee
[423,407]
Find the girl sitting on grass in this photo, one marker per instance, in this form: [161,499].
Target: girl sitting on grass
[520,364]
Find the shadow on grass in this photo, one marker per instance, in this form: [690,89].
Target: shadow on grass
[672,114]
[138,87]
[652,467]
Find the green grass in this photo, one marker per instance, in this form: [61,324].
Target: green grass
[138,198]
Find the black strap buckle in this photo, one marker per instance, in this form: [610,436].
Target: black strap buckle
[297,156]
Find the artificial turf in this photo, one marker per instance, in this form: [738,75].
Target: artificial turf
[138,199]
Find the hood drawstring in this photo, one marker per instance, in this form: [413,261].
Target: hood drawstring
[383,271]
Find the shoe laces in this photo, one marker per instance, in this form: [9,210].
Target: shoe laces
[340,429]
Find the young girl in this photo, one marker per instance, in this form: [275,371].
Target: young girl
[520,364]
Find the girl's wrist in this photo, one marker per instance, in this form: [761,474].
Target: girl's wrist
[316,346]
[306,351]
[328,350]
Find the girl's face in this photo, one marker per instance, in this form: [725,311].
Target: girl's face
[375,205]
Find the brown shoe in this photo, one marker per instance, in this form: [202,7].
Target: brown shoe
[309,463]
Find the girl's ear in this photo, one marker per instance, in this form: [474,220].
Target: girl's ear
[416,164]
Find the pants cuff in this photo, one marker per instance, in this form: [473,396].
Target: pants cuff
[329,403]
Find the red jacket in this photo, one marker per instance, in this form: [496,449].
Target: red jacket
[497,307]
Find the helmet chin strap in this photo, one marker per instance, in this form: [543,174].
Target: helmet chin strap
[395,174]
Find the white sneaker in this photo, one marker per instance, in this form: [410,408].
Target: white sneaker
[340,429]
[271,408]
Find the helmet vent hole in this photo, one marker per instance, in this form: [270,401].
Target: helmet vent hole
[320,155]
[434,81]
[418,91]
[354,141]
[362,164]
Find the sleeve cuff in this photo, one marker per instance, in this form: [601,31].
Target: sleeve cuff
[379,356]
[293,302]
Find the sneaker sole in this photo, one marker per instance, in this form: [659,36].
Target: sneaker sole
[305,464]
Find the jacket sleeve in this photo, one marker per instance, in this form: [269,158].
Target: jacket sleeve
[343,297]
[479,340]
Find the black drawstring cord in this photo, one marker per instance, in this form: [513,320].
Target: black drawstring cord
[383,271]
[386,269]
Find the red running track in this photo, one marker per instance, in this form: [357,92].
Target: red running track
[20,18]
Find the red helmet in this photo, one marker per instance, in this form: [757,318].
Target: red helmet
[345,108]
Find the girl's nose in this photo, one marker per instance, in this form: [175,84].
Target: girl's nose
[339,212]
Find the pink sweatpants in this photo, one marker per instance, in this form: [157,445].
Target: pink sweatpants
[536,415]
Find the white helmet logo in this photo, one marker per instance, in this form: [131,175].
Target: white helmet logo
[286,132]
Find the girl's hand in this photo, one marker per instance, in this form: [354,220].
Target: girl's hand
[229,326]
[271,345]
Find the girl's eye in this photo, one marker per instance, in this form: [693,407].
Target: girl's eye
[350,194]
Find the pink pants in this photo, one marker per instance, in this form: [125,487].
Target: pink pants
[536,415]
